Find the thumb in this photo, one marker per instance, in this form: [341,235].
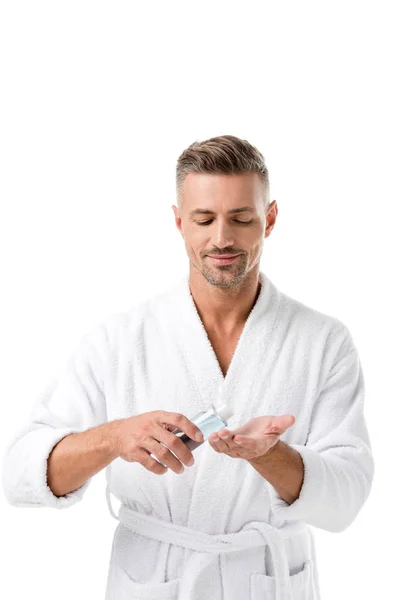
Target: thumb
[279,424]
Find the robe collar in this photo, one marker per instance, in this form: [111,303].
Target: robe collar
[251,350]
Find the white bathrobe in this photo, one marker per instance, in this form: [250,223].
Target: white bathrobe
[219,530]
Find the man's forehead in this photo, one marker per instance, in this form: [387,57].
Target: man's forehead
[205,187]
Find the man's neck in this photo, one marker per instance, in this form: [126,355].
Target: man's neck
[224,310]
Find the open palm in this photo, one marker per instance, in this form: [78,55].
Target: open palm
[253,439]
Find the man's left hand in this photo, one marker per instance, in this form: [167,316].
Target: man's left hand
[252,440]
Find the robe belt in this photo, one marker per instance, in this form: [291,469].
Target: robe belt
[252,534]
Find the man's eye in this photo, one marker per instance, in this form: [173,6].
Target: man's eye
[210,221]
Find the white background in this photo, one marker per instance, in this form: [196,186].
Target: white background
[98,99]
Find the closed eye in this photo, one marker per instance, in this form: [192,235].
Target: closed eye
[236,221]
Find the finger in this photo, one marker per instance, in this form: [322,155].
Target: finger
[226,438]
[175,444]
[150,463]
[181,422]
[280,424]
[163,454]
[230,447]
[288,420]
[217,444]
[246,441]
[229,439]
[225,434]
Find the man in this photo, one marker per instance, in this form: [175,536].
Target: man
[235,523]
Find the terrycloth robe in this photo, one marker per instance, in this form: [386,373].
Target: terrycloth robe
[219,530]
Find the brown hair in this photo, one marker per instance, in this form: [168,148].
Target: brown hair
[225,154]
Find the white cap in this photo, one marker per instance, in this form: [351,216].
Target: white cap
[225,411]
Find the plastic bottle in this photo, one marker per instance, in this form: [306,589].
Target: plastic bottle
[207,421]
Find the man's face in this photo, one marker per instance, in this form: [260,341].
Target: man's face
[210,228]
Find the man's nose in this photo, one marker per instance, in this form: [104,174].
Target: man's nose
[222,236]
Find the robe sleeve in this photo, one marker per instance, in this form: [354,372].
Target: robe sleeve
[337,456]
[73,402]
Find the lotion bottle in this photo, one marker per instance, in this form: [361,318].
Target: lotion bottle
[207,421]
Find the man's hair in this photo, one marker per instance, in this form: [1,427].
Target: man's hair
[225,154]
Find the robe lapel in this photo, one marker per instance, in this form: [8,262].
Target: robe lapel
[215,477]
[251,353]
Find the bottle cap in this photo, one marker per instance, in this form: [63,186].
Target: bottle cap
[224,411]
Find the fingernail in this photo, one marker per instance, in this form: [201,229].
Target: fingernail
[199,436]
[191,462]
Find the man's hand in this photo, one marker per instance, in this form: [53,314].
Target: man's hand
[135,438]
[252,440]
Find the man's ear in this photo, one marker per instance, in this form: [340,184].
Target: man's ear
[272,213]
[178,220]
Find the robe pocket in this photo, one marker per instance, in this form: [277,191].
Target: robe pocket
[264,586]
[125,588]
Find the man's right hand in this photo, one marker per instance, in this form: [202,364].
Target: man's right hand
[135,438]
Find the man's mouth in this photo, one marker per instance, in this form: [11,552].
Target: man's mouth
[224,259]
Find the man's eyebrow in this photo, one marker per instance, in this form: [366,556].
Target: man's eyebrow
[205,211]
